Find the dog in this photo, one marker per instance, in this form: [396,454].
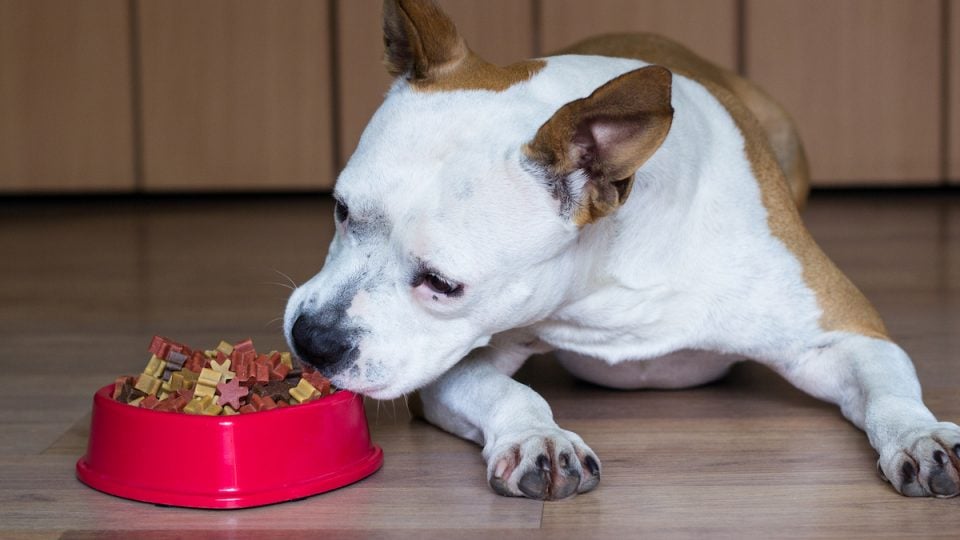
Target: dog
[623,203]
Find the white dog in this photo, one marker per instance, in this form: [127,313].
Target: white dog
[625,204]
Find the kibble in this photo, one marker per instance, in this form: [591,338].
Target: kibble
[226,380]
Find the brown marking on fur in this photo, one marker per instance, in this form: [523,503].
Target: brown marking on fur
[422,44]
[608,135]
[474,73]
[843,306]
[774,120]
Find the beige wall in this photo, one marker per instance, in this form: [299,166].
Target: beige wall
[228,95]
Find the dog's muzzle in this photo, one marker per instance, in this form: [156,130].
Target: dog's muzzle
[328,347]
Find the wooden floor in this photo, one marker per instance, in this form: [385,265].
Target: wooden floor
[84,284]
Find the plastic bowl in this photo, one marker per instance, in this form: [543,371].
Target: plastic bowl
[234,461]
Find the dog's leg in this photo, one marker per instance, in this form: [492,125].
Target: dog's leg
[874,383]
[527,453]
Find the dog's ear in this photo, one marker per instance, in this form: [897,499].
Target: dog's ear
[592,147]
[420,40]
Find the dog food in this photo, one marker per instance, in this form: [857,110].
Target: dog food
[228,379]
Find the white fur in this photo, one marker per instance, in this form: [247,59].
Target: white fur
[688,263]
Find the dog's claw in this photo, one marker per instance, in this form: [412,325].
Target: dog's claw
[535,484]
[500,487]
[941,484]
[554,473]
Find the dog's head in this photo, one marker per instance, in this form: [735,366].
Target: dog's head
[456,215]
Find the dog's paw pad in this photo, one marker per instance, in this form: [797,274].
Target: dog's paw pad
[554,464]
[925,462]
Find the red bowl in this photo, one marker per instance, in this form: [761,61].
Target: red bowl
[227,461]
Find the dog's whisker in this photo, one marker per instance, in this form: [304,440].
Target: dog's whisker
[284,285]
[292,282]
[273,320]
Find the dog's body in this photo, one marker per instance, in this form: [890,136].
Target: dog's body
[640,223]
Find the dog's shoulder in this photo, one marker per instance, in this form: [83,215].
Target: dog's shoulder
[779,168]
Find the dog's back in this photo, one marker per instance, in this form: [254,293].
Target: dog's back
[781,133]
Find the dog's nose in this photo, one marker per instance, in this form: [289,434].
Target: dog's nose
[318,344]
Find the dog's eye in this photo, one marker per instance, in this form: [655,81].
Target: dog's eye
[439,284]
[340,211]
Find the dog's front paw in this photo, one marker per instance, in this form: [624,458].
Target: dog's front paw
[546,464]
[924,462]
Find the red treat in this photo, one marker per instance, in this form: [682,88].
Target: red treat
[149,402]
[247,409]
[268,403]
[196,362]
[262,403]
[262,373]
[318,381]
[246,374]
[279,372]
[156,343]
[167,405]
[230,393]
[274,358]
[245,347]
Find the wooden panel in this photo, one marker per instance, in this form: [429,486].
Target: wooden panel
[862,79]
[236,94]
[709,28]
[65,108]
[953,52]
[498,30]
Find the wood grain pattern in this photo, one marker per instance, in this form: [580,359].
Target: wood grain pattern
[749,456]
[236,95]
[862,80]
[708,28]
[65,101]
[953,107]
[498,30]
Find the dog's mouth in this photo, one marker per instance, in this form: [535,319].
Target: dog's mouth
[353,379]
[365,388]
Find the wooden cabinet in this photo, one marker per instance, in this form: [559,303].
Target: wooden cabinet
[861,78]
[236,94]
[707,27]
[65,97]
[272,95]
[498,30]
[953,104]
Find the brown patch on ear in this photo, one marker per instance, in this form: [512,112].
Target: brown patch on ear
[607,136]
[422,44]
[419,39]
